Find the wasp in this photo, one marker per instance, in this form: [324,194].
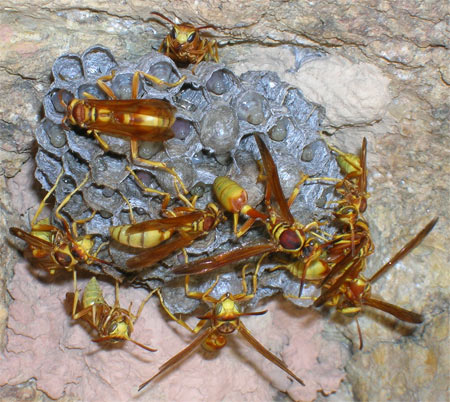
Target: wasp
[134,119]
[347,247]
[224,319]
[353,187]
[112,323]
[53,249]
[351,290]
[320,262]
[233,199]
[286,234]
[178,229]
[184,45]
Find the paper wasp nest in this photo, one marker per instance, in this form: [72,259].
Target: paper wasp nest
[217,112]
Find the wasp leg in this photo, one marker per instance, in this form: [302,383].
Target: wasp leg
[199,295]
[158,81]
[42,204]
[101,82]
[178,320]
[150,190]
[159,165]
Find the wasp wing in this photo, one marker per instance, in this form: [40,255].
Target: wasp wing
[355,266]
[273,181]
[398,312]
[158,253]
[32,240]
[209,264]
[180,355]
[165,223]
[341,264]
[263,351]
[405,249]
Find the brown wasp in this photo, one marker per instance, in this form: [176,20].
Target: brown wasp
[224,319]
[351,290]
[353,187]
[321,262]
[112,323]
[184,45]
[135,119]
[286,234]
[53,249]
[180,226]
[346,247]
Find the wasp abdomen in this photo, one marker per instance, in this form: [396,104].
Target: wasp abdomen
[150,238]
[230,194]
[92,294]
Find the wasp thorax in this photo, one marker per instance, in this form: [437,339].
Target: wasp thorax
[208,223]
[77,254]
[227,328]
[78,115]
[291,240]
[63,259]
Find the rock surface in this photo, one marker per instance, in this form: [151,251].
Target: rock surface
[384,75]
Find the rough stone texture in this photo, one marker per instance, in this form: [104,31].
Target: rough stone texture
[401,45]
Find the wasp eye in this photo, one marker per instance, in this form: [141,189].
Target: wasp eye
[173,33]
[191,37]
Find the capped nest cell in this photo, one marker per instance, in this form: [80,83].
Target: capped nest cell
[217,113]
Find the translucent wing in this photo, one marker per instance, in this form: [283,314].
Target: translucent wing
[209,264]
[165,223]
[400,313]
[268,355]
[273,180]
[180,356]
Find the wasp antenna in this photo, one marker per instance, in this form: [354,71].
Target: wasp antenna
[142,345]
[61,100]
[206,26]
[163,17]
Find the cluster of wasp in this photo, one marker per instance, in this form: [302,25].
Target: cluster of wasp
[332,260]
